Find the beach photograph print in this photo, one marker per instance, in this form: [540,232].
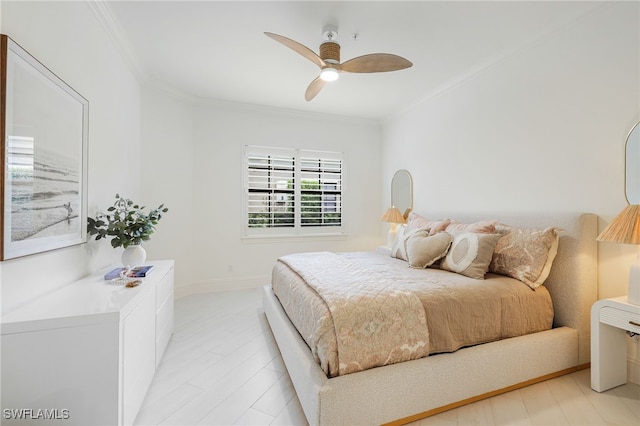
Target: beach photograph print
[45,161]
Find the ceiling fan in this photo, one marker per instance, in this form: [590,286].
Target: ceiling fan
[329,60]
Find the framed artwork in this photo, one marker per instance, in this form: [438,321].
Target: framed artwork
[44,127]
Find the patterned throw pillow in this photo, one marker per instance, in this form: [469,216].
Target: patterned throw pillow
[482,227]
[415,221]
[470,254]
[424,249]
[526,255]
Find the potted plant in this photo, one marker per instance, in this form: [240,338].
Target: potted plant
[128,225]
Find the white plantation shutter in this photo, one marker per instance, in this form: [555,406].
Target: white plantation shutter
[270,187]
[320,189]
[291,191]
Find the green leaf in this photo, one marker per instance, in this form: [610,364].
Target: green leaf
[126,222]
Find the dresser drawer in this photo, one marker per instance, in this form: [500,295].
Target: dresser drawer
[164,316]
[620,318]
[164,327]
[138,366]
[162,342]
[164,289]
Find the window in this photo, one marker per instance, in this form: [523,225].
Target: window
[293,192]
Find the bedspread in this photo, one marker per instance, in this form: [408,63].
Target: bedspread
[375,320]
[459,311]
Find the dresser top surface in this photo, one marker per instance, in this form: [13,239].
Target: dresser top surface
[89,300]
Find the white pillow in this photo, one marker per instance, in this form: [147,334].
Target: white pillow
[399,249]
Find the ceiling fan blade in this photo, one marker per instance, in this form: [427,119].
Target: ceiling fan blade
[299,48]
[376,62]
[314,88]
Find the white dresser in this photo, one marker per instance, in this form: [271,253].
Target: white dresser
[85,354]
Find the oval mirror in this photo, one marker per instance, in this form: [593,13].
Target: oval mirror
[632,166]
[402,192]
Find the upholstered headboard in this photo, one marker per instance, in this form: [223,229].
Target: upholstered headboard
[573,281]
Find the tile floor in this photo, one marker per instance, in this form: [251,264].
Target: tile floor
[222,367]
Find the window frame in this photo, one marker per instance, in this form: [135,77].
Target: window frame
[297,230]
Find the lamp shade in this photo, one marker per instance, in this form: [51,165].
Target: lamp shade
[393,215]
[625,228]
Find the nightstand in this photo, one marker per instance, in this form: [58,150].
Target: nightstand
[610,319]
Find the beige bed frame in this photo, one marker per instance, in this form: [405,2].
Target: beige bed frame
[404,392]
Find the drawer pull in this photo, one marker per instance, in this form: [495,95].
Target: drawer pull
[634,323]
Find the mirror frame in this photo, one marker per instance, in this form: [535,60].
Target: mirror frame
[394,197]
[631,168]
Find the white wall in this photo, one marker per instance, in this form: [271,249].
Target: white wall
[157,148]
[194,164]
[542,129]
[167,177]
[68,38]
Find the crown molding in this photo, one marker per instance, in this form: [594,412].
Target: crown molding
[112,27]
[114,30]
[285,112]
[498,58]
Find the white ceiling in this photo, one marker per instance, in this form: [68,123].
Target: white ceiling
[217,49]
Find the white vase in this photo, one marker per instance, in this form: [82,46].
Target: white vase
[133,256]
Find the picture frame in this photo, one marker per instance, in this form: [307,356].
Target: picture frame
[44,127]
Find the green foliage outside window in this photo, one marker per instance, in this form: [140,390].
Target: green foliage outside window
[311,213]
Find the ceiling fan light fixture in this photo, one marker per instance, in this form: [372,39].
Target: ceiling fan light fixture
[329,74]
[329,60]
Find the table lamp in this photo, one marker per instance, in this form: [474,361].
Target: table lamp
[394,217]
[625,228]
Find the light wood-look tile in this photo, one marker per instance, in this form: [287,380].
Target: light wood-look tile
[223,367]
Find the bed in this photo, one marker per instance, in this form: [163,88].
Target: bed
[405,391]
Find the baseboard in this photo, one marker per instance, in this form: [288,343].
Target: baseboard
[218,285]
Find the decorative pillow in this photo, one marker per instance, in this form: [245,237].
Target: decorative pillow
[503,229]
[470,254]
[482,227]
[396,243]
[398,250]
[424,249]
[415,221]
[526,255]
